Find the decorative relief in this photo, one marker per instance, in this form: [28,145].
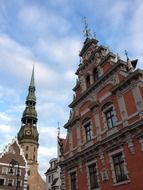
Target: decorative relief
[130,144]
[80,166]
[141,142]
[101,157]
[104,174]
[125,122]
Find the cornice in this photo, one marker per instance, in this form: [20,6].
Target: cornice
[127,80]
[71,122]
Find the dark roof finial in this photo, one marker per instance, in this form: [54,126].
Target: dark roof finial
[126,53]
[58,129]
[94,35]
[86,31]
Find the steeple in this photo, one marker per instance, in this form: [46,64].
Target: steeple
[32,82]
[28,134]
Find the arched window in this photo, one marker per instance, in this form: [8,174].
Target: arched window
[27,147]
[95,74]
[87,81]
[26,156]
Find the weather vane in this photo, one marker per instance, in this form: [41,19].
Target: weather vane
[86,31]
[58,129]
[126,53]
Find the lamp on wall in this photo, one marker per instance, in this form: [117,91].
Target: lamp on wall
[13,163]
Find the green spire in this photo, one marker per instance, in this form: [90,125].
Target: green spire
[28,131]
[31,95]
[30,111]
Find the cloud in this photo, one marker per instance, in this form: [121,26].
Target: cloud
[64,51]
[47,151]
[4,117]
[5,128]
[42,20]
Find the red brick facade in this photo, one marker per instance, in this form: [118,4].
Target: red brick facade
[104,145]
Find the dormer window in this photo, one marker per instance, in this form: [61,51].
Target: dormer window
[87,81]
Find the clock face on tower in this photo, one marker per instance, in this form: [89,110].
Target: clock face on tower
[28,132]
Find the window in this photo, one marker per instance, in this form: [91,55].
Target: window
[93,176]
[4,170]
[27,147]
[110,118]
[95,74]
[49,179]
[87,81]
[87,127]
[73,181]
[119,167]
[19,183]
[26,156]
[10,182]
[11,171]
[2,181]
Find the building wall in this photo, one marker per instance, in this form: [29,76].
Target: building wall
[13,152]
[106,124]
[53,176]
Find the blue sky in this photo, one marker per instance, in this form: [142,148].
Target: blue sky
[49,34]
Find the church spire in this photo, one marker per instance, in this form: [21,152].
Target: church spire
[32,82]
[28,131]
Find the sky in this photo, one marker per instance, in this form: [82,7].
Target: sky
[49,34]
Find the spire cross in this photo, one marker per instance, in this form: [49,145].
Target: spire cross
[86,31]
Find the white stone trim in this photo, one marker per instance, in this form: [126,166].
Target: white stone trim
[84,111]
[69,177]
[97,126]
[87,172]
[2,177]
[111,154]
[138,100]
[10,179]
[141,142]
[122,108]
[106,95]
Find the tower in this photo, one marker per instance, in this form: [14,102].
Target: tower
[28,137]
